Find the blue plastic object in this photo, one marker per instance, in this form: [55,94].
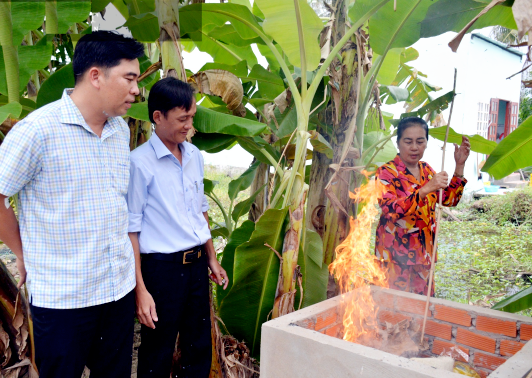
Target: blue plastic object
[491,188]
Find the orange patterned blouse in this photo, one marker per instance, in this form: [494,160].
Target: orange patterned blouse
[405,233]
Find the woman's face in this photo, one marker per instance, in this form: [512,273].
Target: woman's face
[412,145]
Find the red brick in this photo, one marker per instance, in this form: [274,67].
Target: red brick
[526,331]
[391,317]
[334,331]
[487,344]
[411,305]
[509,348]
[383,300]
[443,331]
[492,325]
[452,315]
[487,361]
[483,373]
[307,323]
[439,347]
[326,318]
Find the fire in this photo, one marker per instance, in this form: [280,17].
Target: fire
[355,268]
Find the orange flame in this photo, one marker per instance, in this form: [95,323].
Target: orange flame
[355,267]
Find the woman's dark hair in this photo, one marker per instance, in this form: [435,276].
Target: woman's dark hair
[169,93]
[103,49]
[405,123]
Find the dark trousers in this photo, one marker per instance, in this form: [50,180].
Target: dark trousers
[99,337]
[181,295]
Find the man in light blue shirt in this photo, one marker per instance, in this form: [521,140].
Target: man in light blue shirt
[169,228]
[69,162]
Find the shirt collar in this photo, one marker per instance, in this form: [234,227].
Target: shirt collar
[70,114]
[401,167]
[161,150]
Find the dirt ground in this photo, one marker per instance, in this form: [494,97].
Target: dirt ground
[8,258]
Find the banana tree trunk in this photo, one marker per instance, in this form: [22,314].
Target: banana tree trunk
[289,273]
[172,59]
[9,51]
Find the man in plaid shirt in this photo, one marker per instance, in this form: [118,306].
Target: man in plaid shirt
[69,162]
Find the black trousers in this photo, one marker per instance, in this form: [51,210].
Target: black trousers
[100,337]
[181,295]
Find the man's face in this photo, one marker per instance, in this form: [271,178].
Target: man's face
[118,87]
[174,127]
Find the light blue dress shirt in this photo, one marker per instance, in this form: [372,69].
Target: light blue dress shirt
[165,199]
[73,216]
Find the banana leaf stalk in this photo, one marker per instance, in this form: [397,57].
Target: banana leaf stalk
[9,51]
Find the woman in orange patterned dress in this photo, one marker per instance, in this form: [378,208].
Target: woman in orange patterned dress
[405,234]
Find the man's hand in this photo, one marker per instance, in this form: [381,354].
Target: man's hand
[21,271]
[146,308]
[220,276]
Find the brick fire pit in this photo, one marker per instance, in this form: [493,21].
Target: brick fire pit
[307,343]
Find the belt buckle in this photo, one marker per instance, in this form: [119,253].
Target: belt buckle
[185,257]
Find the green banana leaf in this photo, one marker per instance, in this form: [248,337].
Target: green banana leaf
[256,271]
[270,85]
[240,69]
[99,5]
[194,18]
[52,88]
[517,302]
[315,273]
[254,146]
[144,27]
[208,185]
[282,25]
[222,52]
[27,105]
[388,152]
[243,181]
[243,207]
[320,144]
[71,12]
[403,25]
[397,93]
[512,153]
[25,16]
[432,106]
[239,236]
[142,20]
[30,59]
[213,143]
[228,35]
[478,143]
[453,15]
[390,66]
[209,121]
[13,110]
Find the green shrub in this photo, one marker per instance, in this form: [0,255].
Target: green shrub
[514,207]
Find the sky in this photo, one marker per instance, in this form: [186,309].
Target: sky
[436,60]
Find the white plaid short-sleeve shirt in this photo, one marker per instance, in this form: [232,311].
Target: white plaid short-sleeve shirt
[73,213]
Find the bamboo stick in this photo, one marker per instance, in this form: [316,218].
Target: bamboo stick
[438,217]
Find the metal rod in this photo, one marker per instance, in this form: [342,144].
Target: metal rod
[438,218]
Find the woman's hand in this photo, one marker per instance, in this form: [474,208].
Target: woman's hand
[462,153]
[438,181]
[218,273]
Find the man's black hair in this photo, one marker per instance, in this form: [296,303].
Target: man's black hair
[405,123]
[170,93]
[103,49]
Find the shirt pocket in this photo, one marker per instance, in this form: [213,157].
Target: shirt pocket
[120,175]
